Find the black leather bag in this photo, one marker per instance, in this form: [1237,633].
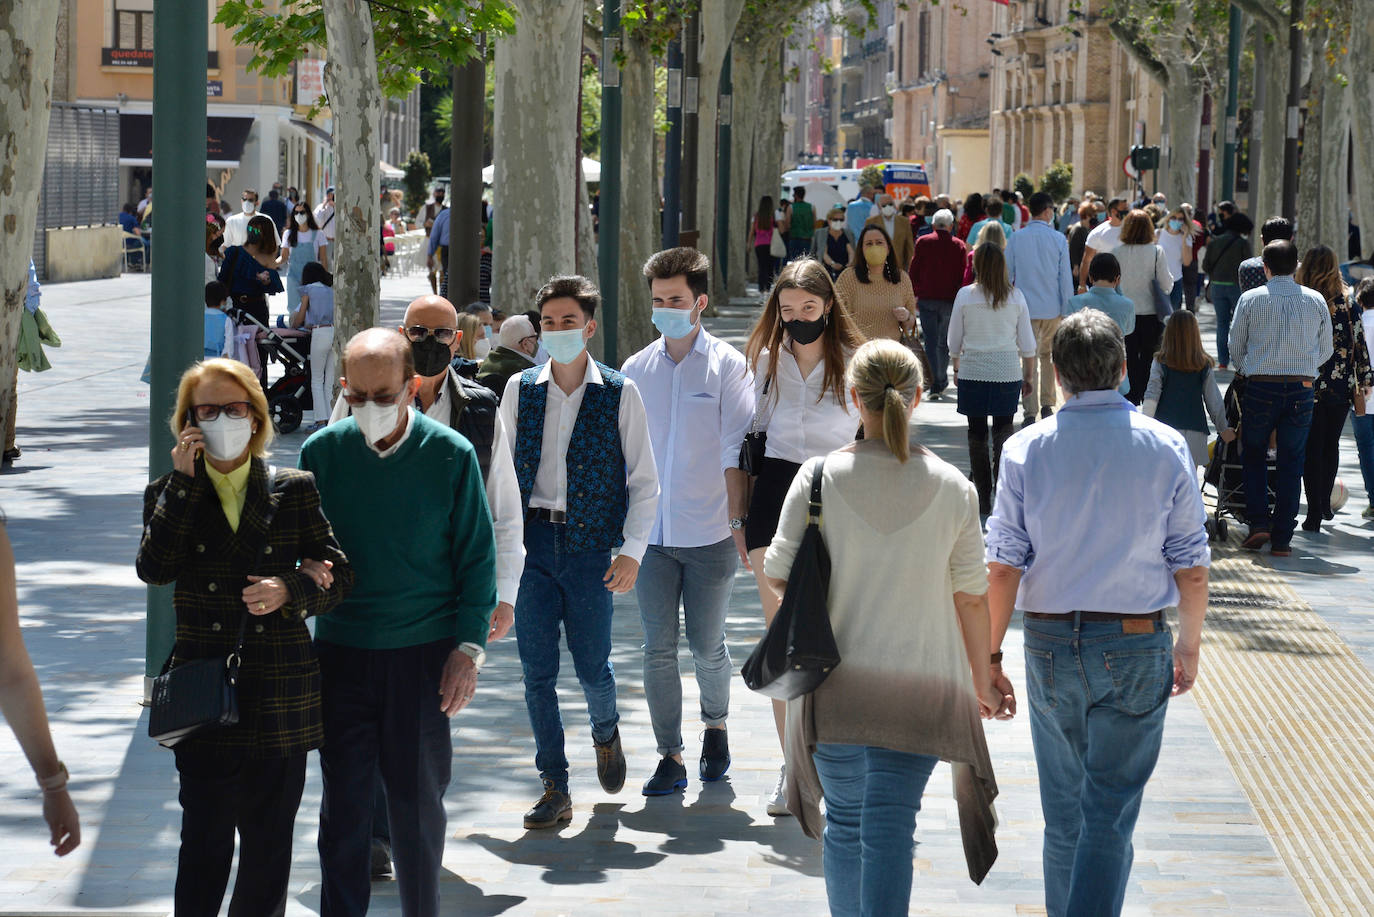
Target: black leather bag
[798,652]
[755,445]
[200,694]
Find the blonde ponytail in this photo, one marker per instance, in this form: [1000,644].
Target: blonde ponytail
[887,379]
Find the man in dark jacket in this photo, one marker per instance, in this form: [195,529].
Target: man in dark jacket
[1225,252]
[517,343]
[937,273]
[276,208]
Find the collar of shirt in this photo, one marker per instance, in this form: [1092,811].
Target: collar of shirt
[439,408]
[592,375]
[232,490]
[405,435]
[699,345]
[1087,401]
[1283,284]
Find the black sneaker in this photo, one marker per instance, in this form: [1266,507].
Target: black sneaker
[1046,412]
[715,755]
[610,763]
[552,808]
[381,858]
[667,780]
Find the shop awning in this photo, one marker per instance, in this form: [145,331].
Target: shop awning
[313,130]
[224,140]
[389,171]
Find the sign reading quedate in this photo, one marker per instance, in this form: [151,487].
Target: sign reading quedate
[143,58]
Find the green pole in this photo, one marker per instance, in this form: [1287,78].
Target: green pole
[180,33]
[1228,155]
[723,169]
[608,236]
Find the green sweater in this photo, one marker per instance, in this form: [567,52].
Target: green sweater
[417,532]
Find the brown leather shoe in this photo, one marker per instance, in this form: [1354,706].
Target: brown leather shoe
[552,808]
[610,763]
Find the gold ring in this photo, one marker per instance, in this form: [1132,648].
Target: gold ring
[262,606]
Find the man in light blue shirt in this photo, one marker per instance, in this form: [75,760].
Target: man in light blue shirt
[1280,337]
[1038,263]
[438,243]
[1097,528]
[859,210]
[699,399]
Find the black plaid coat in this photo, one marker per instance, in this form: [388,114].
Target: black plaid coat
[186,539]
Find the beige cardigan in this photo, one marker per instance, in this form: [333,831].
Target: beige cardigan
[903,538]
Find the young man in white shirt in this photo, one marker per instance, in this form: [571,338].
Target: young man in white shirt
[324,218]
[699,398]
[1105,237]
[585,467]
[236,226]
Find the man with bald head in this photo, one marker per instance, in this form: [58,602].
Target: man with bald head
[897,227]
[405,496]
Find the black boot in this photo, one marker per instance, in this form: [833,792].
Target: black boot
[1000,435]
[980,470]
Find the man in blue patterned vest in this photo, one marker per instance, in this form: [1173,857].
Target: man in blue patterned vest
[588,483]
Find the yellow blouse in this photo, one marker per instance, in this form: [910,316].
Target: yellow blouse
[232,490]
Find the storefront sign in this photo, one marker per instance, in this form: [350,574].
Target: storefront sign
[214,88]
[142,58]
[309,81]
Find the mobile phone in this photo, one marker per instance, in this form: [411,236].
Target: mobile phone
[191,417]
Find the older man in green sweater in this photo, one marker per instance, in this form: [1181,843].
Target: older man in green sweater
[404,494]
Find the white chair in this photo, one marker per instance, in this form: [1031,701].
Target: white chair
[133,245]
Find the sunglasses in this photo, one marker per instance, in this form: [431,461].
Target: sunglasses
[385,401]
[417,333]
[234,409]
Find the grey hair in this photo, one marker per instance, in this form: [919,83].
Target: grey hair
[1088,352]
[942,218]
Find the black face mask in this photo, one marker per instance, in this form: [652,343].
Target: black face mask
[431,357]
[804,332]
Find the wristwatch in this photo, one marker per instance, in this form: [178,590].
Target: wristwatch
[737,523]
[475,653]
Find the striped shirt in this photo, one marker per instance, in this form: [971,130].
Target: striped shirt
[1281,329]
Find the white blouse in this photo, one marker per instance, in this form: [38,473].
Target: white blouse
[990,343]
[800,422]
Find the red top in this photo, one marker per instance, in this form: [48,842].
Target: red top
[965,224]
[937,267]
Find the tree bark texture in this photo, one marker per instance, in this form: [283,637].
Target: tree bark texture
[1271,31]
[640,232]
[747,75]
[718,21]
[1322,199]
[355,100]
[767,168]
[1362,127]
[28,46]
[536,155]
[1183,103]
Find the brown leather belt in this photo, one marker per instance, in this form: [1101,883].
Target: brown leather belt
[1096,616]
[1279,378]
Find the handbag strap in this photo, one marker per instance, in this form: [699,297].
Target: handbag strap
[813,509]
[758,407]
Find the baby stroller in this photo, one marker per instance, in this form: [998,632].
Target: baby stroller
[288,397]
[1226,474]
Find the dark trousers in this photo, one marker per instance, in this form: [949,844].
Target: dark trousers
[224,791]
[1284,408]
[1141,346]
[381,715]
[935,315]
[763,254]
[1323,457]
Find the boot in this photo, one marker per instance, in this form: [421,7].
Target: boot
[980,471]
[1000,435]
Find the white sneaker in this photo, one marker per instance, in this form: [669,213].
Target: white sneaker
[777,802]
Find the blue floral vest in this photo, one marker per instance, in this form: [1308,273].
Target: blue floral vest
[595,462]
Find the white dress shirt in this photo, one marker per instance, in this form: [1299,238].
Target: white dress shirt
[1104,238]
[236,228]
[550,489]
[322,213]
[800,423]
[503,493]
[698,412]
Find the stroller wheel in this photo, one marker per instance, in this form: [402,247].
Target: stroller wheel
[286,413]
[1211,528]
[1221,529]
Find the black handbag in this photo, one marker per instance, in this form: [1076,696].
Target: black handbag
[798,652]
[200,694]
[755,445]
[1164,306]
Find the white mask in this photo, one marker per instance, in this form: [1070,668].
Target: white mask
[226,437]
[249,206]
[301,219]
[482,347]
[837,224]
[377,421]
[889,211]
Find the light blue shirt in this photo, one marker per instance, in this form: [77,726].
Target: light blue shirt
[320,311]
[1099,506]
[33,293]
[1038,262]
[977,228]
[856,214]
[438,233]
[1116,307]
[1281,329]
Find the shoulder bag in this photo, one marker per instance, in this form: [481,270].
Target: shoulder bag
[777,248]
[1164,307]
[1356,389]
[798,651]
[751,451]
[201,694]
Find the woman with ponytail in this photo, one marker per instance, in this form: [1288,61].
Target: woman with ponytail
[250,270]
[908,606]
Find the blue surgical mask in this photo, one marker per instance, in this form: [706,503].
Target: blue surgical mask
[564,346]
[1175,225]
[674,323]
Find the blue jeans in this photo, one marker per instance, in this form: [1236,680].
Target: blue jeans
[796,248]
[700,581]
[1097,699]
[1224,299]
[872,796]
[1176,295]
[1363,427]
[563,590]
[935,315]
[1267,407]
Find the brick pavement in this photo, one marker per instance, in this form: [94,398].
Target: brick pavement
[73,507]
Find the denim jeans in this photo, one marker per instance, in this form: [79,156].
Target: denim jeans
[1267,407]
[1224,299]
[1176,295]
[1097,698]
[563,590]
[1363,428]
[699,580]
[935,315]
[796,248]
[872,796]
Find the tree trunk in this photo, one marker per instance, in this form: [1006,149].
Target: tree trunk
[1322,199]
[718,21]
[747,74]
[355,100]
[1183,94]
[1362,100]
[537,81]
[1269,172]
[767,167]
[640,233]
[585,251]
[28,32]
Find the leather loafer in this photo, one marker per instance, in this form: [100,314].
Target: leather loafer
[610,763]
[380,866]
[1256,541]
[715,755]
[553,808]
[667,780]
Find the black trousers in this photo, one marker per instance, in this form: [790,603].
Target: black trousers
[763,254]
[381,715]
[226,791]
[1141,346]
[1323,457]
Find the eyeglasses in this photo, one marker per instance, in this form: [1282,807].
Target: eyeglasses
[302,212]
[234,409]
[385,401]
[418,333]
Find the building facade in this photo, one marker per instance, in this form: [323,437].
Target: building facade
[941,92]
[866,65]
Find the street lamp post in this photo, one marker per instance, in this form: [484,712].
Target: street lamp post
[608,236]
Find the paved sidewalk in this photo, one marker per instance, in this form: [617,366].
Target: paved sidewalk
[73,503]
